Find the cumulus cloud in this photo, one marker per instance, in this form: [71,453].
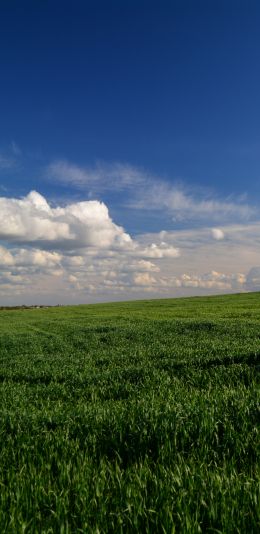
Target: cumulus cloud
[145,265]
[78,245]
[161,251]
[144,279]
[39,258]
[32,221]
[6,257]
[82,224]
[217,233]
[21,260]
[213,280]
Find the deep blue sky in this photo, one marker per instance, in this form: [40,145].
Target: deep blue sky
[171,86]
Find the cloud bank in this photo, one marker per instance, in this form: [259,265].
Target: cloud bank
[73,249]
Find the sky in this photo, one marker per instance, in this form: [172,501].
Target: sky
[129,149]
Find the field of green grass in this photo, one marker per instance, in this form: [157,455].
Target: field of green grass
[131,417]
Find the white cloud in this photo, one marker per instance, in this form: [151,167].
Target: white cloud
[6,257]
[145,265]
[144,279]
[213,280]
[162,250]
[35,274]
[39,258]
[83,224]
[77,247]
[217,233]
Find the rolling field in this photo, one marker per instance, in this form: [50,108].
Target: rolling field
[131,417]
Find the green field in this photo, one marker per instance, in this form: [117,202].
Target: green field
[131,417]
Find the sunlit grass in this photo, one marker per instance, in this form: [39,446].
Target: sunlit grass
[131,417]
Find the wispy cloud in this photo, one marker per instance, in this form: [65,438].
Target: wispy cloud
[183,205]
[144,191]
[102,177]
[6,162]
[9,156]
[16,150]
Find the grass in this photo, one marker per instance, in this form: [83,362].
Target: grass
[131,417]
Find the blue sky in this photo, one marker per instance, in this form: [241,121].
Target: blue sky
[151,108]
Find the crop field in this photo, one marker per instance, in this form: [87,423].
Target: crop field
[131,417]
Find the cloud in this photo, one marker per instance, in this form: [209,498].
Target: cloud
[101,177]
[253,279]
[16,150]
[6,257]
[38,258]
[83,224]
[145,191]
[77,253]
[144,279]
[37,275]
[213,280]
[9,157]
[184,205]
[73,248]
[6,162]
[146,266]
[162,250]
[217,233]
[21,260]
[33,222]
